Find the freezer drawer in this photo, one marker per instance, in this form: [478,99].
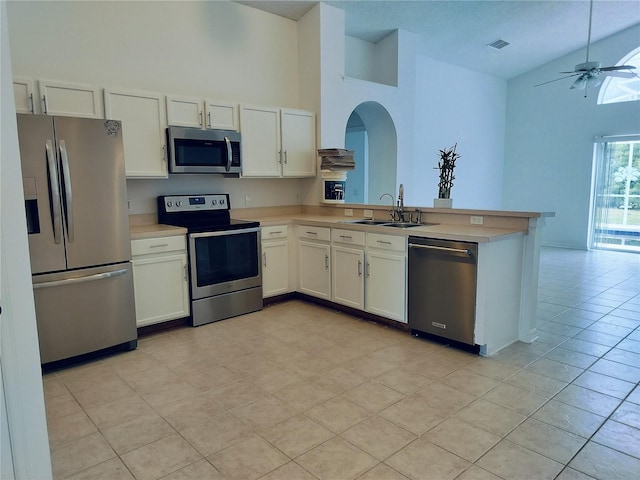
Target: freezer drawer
[103,313]
[442,288]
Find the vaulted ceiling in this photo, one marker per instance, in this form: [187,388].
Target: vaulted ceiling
[458,31]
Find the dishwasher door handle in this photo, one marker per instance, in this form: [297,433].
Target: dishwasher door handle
[442,249]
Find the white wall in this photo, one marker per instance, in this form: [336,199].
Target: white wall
[218,50]
[26,454]
[456,105]
[549,146]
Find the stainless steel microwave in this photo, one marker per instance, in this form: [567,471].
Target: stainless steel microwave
[194,150]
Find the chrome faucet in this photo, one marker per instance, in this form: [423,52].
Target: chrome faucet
[392,212]
[401,203]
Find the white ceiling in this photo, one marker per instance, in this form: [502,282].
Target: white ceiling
[457,31]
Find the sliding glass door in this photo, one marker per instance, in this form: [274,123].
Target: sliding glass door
[615,221]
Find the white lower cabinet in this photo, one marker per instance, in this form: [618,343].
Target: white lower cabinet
[347,268]
[314,262]
[160,279]
[386,277]
[275,261]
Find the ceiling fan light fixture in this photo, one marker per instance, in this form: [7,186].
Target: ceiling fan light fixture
[498,44]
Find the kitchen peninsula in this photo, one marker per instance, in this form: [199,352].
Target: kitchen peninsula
[508,256]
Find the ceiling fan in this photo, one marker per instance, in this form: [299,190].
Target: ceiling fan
[591,74]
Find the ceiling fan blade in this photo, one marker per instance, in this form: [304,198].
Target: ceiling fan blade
[580,83]
[557,79]
[617,67]
[620,74]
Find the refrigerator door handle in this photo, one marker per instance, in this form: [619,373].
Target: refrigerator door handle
[55,192]
[88,278]
[66,177]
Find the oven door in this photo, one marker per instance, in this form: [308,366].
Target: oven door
[224,262]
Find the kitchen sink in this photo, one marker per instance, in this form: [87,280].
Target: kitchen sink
[386,223]
[367,221]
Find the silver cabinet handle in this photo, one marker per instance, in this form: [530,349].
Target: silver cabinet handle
[346,237]
[229,153]
[285,156]
[280,157]
[209,119]
[279,232]
[264,259]
[159,245]
[326,262]
[359,268]
[368,269]
[311,233]
[31,102]
[200,114]
[443,249]
[186,274]
[55,192]
[66,177]
[44,104]
[383,242]
[88,278]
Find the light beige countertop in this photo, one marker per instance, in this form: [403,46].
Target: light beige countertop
[154,230]
[468,233]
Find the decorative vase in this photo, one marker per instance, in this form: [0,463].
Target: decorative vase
[442,202]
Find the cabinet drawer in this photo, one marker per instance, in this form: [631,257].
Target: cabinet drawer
[277,231]
[387,242]
[350,237]
[146,246]
[314,233]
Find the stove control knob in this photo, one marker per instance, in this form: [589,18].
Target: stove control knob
[169,204]
[179,203]
[214,202]
[222,201]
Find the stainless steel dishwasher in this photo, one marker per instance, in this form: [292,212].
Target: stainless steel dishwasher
[442,288]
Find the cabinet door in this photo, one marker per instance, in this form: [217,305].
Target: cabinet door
[23,93]
[185,112]
[143,131]
[70,99]
[347,280]
[298,143]
[221,115]
[161,288]
[314,269]
[386,285]
[275,268]
[260,141]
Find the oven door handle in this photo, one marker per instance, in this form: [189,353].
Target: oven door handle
[224,232]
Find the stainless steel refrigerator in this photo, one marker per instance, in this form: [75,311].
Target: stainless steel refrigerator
[78,230]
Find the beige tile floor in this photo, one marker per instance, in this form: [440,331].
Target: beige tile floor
[300,392]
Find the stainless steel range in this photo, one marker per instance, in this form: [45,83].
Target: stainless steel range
[224,255]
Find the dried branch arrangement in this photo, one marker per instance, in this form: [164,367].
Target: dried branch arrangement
[446,165]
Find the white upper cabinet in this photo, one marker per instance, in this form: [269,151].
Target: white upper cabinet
[260,141]
[277,142]
[70,99]
[298,129]
[143,119]
[198,113]
[24,95]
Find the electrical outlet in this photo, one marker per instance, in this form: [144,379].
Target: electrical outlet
[348,212]
[477,220]
[247,200]
[129,206]
[368,214]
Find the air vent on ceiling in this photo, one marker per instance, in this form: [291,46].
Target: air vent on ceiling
[498,44]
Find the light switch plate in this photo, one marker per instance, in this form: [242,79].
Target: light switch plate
[368,214]
[477,220]
[348,212]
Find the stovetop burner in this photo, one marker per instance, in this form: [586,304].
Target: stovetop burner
[199,213]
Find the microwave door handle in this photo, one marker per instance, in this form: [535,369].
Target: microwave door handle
[66,176]
[55,192]
[229,153]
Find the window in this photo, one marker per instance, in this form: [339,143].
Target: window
[615,222]
[617,89]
